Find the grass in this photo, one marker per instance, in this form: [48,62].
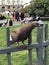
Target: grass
[18,58]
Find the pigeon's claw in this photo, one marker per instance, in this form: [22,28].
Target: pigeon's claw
[24,46]
[18,45]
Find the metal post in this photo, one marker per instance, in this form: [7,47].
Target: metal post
[8,44]
[30,50]
[46,47]
[40,43]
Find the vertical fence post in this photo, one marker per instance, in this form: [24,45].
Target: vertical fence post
[40,43]
[46,47]
[8,44]
[30,50]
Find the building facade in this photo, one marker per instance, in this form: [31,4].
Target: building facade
[10,4]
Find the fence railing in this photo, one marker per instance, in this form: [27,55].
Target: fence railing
[38,46]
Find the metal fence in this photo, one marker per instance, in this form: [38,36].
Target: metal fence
[40,44]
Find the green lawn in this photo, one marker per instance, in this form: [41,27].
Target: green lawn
[18,58]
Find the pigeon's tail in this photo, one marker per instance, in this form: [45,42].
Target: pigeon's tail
[10,38]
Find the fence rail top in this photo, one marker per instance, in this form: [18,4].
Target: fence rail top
[15,48]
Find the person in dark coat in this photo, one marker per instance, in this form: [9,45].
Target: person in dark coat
[17,15]
[10,22]
[22,16]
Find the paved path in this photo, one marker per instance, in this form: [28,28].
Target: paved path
[16,23]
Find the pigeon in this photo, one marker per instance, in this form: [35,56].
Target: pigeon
[22,33]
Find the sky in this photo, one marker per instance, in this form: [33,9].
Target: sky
[26,1]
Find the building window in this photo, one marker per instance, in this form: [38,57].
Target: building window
[8,7]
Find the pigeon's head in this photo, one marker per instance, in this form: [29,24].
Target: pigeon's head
[36,23]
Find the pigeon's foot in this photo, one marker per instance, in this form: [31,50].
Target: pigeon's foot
[18,45]
[24,46]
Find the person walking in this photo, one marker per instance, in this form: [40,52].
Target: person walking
[17,15]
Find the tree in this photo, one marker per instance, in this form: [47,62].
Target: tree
[40,7]
[26,9]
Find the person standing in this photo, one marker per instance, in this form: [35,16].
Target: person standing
[17,15]
[13,17]
[22,16]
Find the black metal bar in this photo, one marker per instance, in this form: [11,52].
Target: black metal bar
[15,48]
[40,43]
[30,50]
[8,44]
[46,47]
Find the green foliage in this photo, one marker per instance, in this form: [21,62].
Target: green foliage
[26,9]
[40,7]
[22,10]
